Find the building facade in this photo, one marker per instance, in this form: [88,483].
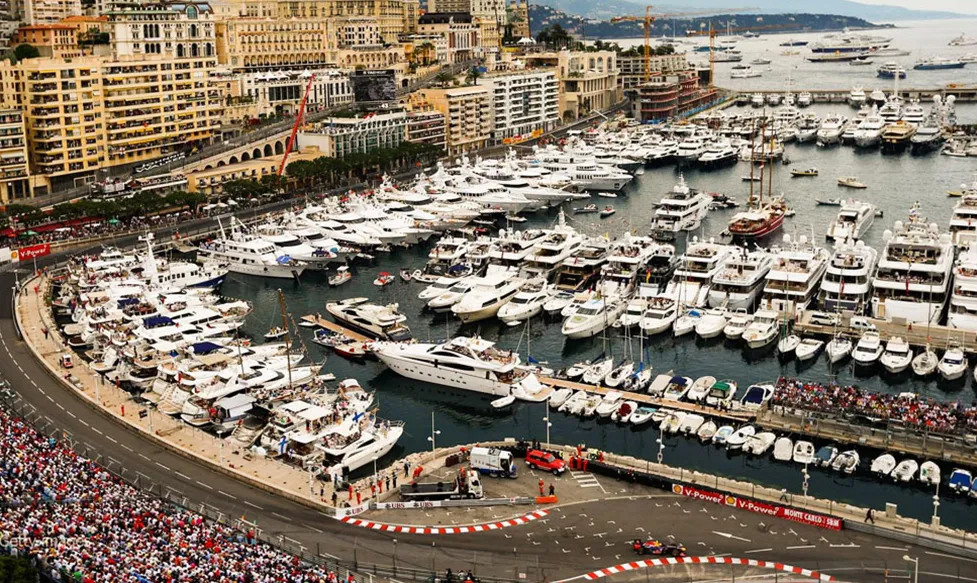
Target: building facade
[182,31]
[460,37]
[588,80]
[51,40]
[339,137]
[523,102]
[670,96]
[49,11]
[426,126]
[632,69]
[467,112]
[14,170]
[281,93]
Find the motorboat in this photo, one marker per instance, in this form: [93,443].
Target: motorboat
[963,41]
[673,422]
[788,344]
[451,296]
[699,389]
[851,182]
[937,63]
[905,471]
[373,320]
[760,443]
[721,393]
[682,209]
[436,288]
[805,172]
[756,396]
[763,330]
[575,403]
[596,372]
[609,403]
[891,70]
[711,323]
[897,355]
[557,302]
[739,437]
[740,281]
[578,300]
[593,317]
[677,388]
[342,276]
[883,465]
[954,364]
[929,473]
[846,286]
[488,294]
[590,404]
[808,348]
[642,415]
[559,396]
[960,481]
[925,363]
[745,73]
[856,97]
[783,449]
[658,386]
[804,453]
[624,412]
[825,456]
[838,348]
[737,324]
[804,99]
[794,277]
[868,350]
[868,133]
[503,402]
[853,220]
[383,279]
[831,130]
[686,323]
[691,423]
[528,302]
[846,462]
[659,316]
[633,313]
[722,434]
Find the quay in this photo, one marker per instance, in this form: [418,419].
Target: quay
[915,334]
[963,93]
[321,322]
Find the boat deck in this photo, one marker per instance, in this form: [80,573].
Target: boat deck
[334,327]
[739,416]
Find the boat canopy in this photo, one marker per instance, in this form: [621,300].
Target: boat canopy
[678,380]
[205,347]
[128,302]
[157,321]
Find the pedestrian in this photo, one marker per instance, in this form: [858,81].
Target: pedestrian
[395,480]
[783,494]
[552,490]
[869,517]
[322,490]
[359,497]
[541,484]
[406,468]
[350,492]
[45,333]
[334,498]
[388,482]
[373,490]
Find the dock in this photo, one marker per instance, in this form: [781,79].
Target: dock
[963,93]
[917,334]
[334,327]
[736,416]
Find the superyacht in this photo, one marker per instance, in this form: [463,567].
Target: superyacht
[847,281]
[680,210]
[739,284]
[794,277]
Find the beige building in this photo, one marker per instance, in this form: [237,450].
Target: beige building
[632,69]
[426,126]
[51,40]
[211,181]
[14,170]
[588,80]
[182,31]
[456,38]
[338,137]
[468,115]
[49,11]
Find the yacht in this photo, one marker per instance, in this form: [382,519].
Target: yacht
[548,254]
[663,152]
[891,110]
[848,42]
[856,97]
[853,220]
[794,276]
[582,268]
[937,63]
[289,245]
[451,295]
[869,132]
[250,255]
[914,113]
[963,299]
[681,210]
[373,320]
[912,281]
[877,97]
[692,147]
[763,330]
[868,349]
[659,316]
[891,70]
[739,283]
[594,317]
[473,364]
[745,73]
[847,280]
[897,355]
[720,153]
[963,221]
[447,258]
[963,41]
[831,130]
[355,442]
[896,136]
[693,277]
[488,294]
[804,99]
[928,137]
[527,303]
[633,259]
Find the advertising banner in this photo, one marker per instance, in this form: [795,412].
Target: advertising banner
[33,252]
[793,514]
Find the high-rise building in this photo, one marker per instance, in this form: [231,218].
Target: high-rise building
[49,11]
[14,171]
[182,30]
[588,80]
[455,37]
[467,112]
[523,102]
[632,69]
[339,137]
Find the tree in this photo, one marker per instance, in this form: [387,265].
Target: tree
[26,51]
[16,570]
[444,78]
[244,188]
[473,75]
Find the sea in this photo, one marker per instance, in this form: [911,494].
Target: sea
[894,182]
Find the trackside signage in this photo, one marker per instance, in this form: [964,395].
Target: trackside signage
[801,516]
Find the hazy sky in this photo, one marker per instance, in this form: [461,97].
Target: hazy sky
[963,6]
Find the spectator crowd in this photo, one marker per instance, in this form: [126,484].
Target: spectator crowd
[81,523]
[909,409]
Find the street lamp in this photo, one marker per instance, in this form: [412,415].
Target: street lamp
[434,433]
[395,556]
[661,443]
[936,505]
[807,476]
[915,563]
[548,424]
[376,479]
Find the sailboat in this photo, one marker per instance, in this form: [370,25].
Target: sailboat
[759,219]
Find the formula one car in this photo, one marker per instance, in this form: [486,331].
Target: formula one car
[655,547]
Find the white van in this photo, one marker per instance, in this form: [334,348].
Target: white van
[493,461]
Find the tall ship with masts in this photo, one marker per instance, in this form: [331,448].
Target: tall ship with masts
[761,218]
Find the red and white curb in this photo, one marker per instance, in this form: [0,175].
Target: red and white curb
[518,521]
[607,572]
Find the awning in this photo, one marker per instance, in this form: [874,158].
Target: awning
[157,321]
[128,302]
[204,347]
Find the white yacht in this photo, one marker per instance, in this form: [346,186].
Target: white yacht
[376,321]
[693,277]
[512,248]
[763,330]
[856,97]
[473,364]
[680,210]
[452,295]
[528,302]
[854,218]
[794,276]
[693,147]
[561,243]
[290,245]
[897,355]
[831,129]
[963,299]
[719,153]
[869,131]
[912,281]
[445,256]
[594,316]
[356,442]
[250,255]
[582,268]
[659,316]
[741,279]
[963,222]
[868,349]
[847,281]
[488,294]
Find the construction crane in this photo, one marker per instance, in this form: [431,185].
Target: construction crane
[650,18]
[298,123]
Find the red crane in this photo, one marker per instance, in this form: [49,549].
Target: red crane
[295,128]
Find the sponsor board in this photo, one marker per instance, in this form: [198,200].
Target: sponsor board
[801,516]
[28,253]
[407,505]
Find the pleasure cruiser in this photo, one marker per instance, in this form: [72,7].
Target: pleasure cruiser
[869,131]
[963,299]
[846,285]
[741,279]
[681,210]
[581,270]
[794,277]
[376,321]
[693,277]
[488,294]
[853,220]
[249,255]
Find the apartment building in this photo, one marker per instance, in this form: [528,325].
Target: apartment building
[588,80]
[280,93]
[14,171]
[456,37]
[632,69]
[49,11]
[51,40]
[426,126]
[468,113]
[339,137]
[671,96]
[523,102]
[182,31]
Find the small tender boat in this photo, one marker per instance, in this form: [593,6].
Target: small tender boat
[275,333]
[839,348]
[659,385]
[624,412]
[953,365]
[825,456]
[905,471]
[897,356]
[606,195]
[342,276]
[700,388]
[851,182]
[846,462]
[960,481]
[691,424]
[642,415]
[405,275]
[804,452]
[925,363]
[608,211]
[722,434]
[677,388]
[660,415]
[759,443]
[808,172]
[308,324]
[783,449]
[738,439]
[929,473]
[559,396]
[707,430]
[883,465]
[515,219]
[788,344]
[673,422]
[590,208]
[828,201]
[503,402]
[353,349]
[383,279]
[808,348]
[609,403]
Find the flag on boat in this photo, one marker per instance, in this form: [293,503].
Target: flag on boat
[282,444]
[284,259]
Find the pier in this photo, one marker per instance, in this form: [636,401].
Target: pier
[321,322]
[963,93]
[917,334]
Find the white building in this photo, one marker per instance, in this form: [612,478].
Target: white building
[279,93]
[338,137]
[184,31]
[523,102]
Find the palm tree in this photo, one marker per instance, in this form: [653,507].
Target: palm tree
[444,78]
[473,75]
[425,49]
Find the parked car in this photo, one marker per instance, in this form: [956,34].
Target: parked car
[543,460]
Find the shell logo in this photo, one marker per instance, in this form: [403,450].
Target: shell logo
[730,500]
[676,489]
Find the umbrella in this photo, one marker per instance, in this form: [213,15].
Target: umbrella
[30,233]
[114,221]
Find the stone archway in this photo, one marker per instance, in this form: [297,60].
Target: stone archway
[279,147]
[269,150]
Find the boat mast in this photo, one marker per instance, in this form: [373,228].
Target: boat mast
[773,144]
[288,337]
[749,202]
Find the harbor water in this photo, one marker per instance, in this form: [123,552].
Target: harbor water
[895,182]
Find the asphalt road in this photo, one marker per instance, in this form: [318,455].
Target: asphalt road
[571,540]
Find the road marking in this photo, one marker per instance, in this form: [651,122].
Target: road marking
[758,551]
[892,548]
[282,516]
[49,398]
[126,447]
[97,431]
[253,505]
[73,416]
[164,467]
[184,476]
[208,486]
[110,438]
[727,535]
[317,530]
[801,547]
[144,457]
[950,556]
[226,494]
[331,556]
[83,422]
[847,546]
[60,406]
